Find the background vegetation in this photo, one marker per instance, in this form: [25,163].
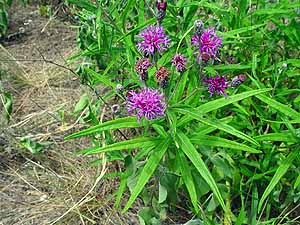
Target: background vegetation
[225,160]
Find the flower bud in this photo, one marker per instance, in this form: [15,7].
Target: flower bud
[179,62]
[198,26]
[164,83]
[116,109]
[119,88]
[161,74]
[162,77]
[237,81]
[141,67]
[161,7]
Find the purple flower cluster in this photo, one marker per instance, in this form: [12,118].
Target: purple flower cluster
[179,61]
[147,103]
[207,45]
[153,40]
[216,85]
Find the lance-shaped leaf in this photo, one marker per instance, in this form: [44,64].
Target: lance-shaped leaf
[141,142]
[217,124]
[188,179]
[285,165]
[282,137]
[221,142]
[219,103]
[127,122]
[148,170]
[190,151]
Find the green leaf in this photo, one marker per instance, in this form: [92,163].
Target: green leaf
[82,103]
[272,12]
[282,137]
[162,193]
[194,222]
[99,26]
[125,12]
[191,152]
[121,189]
[160,130]
[101,77]
[232,33]
[130,166]
[297,182]
[219,103]
[147,171]
[141,26]
[141,142]
[221,142]
[217,124]
[282,169]
[178,93]
[231,67]
[127,122]
[7,100]
[286,110]
[254,203]
[188,179]
[33,146]
[141,13]
[84,4]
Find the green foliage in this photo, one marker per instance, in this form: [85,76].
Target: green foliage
[6,100]
[234,158]
[31,145]
[4,5]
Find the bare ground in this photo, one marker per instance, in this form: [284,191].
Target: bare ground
[56,186]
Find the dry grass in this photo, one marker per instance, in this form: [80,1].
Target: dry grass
[56,186]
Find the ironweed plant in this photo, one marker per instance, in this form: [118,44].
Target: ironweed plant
[211,90]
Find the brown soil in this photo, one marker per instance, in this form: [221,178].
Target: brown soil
[55,186]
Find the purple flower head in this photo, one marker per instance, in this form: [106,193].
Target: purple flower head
[147,103]
[153,39]
[208,45]
[179,61]
[216,85]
